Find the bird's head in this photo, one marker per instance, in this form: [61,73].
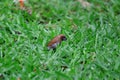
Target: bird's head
[63,38]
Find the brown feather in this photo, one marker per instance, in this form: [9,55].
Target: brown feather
[56,40]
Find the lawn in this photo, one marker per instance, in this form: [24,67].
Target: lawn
[91,52]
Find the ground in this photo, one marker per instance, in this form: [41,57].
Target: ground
[92,49]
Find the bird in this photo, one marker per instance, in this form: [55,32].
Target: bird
[56,41]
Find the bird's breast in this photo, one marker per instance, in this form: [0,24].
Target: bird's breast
[54,45]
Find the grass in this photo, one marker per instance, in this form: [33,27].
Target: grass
[92,51]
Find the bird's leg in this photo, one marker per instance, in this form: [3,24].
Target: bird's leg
[54,50]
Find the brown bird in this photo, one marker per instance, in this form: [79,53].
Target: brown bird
[56,41]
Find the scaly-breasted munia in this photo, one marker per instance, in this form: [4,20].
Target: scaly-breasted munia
[56,41]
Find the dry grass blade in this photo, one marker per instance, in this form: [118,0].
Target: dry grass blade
[84,3]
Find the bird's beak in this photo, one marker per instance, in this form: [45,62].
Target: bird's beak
[64,39]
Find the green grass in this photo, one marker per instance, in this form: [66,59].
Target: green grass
[92,51]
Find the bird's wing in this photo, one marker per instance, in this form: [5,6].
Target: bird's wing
[53,41]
